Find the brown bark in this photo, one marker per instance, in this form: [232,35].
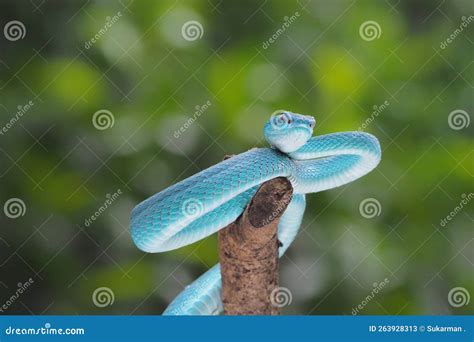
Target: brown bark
[248,252]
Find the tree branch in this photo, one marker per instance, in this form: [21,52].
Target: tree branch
[248,252]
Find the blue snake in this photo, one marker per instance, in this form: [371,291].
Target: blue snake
[215,197]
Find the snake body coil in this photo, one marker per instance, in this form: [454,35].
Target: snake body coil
[210,200]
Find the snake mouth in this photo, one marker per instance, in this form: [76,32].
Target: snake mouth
[308,127]
[292,140]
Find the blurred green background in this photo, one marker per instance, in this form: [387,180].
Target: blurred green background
[400,83]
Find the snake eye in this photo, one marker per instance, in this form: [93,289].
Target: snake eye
[281,119]
[284,118]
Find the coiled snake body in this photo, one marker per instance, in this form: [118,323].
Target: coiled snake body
[210,200]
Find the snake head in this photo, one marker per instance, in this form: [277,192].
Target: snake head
[287,131]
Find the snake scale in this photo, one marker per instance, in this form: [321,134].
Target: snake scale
[215,197]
